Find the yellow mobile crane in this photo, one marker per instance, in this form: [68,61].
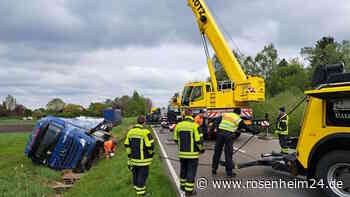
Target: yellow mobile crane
[215,96]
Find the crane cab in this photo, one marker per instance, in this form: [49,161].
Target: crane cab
[199,95]
[194,94]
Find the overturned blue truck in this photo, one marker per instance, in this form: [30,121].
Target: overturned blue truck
[76,143]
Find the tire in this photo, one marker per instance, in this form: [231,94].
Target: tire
[332,166]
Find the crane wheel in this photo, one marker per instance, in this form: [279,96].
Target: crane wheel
[332,171]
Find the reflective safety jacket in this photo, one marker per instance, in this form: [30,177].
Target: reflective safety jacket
[188,138]
[282,124]
[109,148]
[230,122]
[139,145]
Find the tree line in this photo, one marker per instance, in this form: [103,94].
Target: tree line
[129,105]
[281,74]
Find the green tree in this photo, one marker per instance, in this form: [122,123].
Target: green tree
[109,102]
[220,73]
[286,77]
[27,112]
[2,111]
[345,48]
[267,60]
[327,51]
[263,63]
[39,113]
[96,109]
[72,110]
[10,103]
[19,110]
[55,105]
[283,63]
[123,103]
[250,67]
[148,103]
[136,105]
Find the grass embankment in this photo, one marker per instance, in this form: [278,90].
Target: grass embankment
[19,177]
[271,106]
[112,178]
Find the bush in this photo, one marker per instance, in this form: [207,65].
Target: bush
[271,106]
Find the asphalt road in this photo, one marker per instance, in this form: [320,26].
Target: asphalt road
[246,183]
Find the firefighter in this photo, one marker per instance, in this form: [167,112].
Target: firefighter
[282,130]
[190,142]
[109,147]
[227,124]
[139,145]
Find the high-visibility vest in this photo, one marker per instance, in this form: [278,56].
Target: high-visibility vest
[188,139]
[230,122]
[282,125]
[139,145]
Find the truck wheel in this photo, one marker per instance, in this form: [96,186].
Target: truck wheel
[332,168]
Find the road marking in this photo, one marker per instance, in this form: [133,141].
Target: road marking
[170,167]
[248,134]
[240,150]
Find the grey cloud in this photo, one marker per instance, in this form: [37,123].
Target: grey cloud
[86,50]
[88,24]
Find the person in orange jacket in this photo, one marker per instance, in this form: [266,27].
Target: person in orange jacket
[199,118]
[109,147]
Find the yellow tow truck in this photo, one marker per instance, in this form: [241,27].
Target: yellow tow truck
[323,146]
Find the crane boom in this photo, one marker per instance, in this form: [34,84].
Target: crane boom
[210,29]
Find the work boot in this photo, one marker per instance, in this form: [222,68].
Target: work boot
[193,193]
[231,175]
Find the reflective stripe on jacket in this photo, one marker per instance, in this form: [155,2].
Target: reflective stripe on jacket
[282,124]
[188,138]
[139,145]
[230,122]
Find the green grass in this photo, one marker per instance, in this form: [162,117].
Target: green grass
[112,178]
[18,176]
[271,106]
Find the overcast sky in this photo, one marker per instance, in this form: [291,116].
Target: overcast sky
[88,50]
